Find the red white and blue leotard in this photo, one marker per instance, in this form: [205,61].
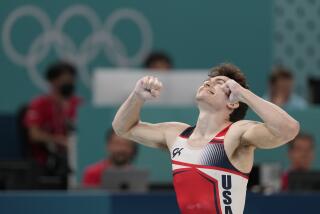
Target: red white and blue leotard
[204,179]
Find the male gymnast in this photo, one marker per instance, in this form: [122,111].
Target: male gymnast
[211,161]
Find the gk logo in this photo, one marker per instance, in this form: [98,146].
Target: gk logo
[176,151]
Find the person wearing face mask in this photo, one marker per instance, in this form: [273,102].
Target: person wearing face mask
[50,118]
[121,153]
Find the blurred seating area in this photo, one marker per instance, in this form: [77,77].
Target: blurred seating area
[157,203]
[91,147]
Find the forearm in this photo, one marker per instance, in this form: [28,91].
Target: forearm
[128,114]
[279,123]
[39,136]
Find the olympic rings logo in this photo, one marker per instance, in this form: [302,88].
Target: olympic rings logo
[101,39]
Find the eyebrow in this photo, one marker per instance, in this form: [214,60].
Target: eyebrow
[216,80]
[219,79]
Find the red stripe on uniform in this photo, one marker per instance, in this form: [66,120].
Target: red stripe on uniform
[184,137]
[224,131]
[217,197]
[216,141]
[210,167]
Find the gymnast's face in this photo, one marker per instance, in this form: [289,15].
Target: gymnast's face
[210,93]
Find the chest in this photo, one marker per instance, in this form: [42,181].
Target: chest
[54,112]
[55,118]
[183,151]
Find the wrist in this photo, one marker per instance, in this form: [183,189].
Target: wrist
[137,97]
[243,95]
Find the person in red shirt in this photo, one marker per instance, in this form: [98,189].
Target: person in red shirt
[50,118]
[301,155]
[121,154]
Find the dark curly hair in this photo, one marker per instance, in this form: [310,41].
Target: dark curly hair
[157,56]
[58,68]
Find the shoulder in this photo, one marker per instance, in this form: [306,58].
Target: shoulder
[175,128]
[239,130]
[37,108]
[92,174]
[97,167]
[76,101]
[176,125]
[172,130]
[243,125]
[165,127]
[237,150]
[41,100]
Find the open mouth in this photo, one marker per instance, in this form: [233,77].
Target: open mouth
[206,89]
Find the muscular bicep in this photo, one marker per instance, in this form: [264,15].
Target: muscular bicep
[259,135]
[159,135]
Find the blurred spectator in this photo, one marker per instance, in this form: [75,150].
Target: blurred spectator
[301,155]
[158,61]
[50,118]
[314,89]
[281,83]
[121,154]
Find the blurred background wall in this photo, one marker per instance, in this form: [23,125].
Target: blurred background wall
[196,36]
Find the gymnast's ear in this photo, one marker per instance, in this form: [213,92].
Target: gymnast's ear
[233,106]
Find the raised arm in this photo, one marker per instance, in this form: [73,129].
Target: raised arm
[278,127]
[127,122]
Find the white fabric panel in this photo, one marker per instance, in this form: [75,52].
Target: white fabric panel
[112,86]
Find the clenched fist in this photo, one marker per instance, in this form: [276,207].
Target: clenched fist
[148,88]
[233,90]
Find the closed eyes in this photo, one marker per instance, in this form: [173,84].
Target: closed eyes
[216,81]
